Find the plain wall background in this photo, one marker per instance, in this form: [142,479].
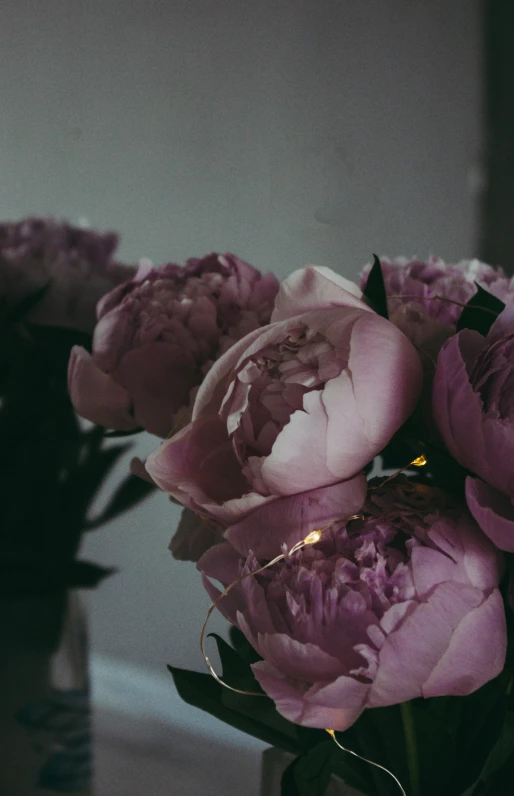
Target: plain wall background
[287,132]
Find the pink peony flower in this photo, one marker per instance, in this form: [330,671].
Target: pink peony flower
[473,404]
[428,323]
[404,604]
[158,335]
[301,404]
[77,265]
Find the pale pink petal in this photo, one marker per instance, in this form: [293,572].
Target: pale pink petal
[315,287]
[476,653]
[410,653]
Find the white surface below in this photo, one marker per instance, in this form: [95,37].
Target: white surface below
[148,742]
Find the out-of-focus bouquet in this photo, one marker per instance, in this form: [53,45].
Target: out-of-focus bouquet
[52,466]
[345,457]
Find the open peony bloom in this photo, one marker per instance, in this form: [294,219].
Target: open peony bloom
[473,404]
[158,334]
[428,323]
[403,604]
[301,404]
[76,265]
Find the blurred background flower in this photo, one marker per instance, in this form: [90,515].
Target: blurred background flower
[158,334]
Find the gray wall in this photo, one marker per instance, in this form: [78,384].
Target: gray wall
[283,130]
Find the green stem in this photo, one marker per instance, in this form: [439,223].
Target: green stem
[411,748]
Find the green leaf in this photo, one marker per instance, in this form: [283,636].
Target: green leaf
[238,674]
[82,484]
[309,774]
[375,289]
[236,671]
[202,691]
[480,312]
[131,491]
[242,646]
[499,760]
[501,782]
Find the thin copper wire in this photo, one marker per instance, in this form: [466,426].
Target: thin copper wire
[419,461]
[366,760]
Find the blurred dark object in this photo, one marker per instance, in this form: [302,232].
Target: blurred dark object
[52,467]
[496,244]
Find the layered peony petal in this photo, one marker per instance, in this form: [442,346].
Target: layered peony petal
[493,511]
[401,604]
[476,652]
[288,520]
[96,396]
[159,378]
[292,704]
[315,287]
[159,333]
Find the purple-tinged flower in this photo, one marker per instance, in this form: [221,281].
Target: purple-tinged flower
[76,264]
[400,605]
[301,404]
[157,336]
[473,405]
[425,321]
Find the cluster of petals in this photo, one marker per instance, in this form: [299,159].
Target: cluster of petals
[75,266]
[159,333]
[399,605]
[412,285]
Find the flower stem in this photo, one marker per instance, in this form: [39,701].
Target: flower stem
[411,748]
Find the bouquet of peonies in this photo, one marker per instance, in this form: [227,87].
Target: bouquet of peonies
[345,457]
[52,275]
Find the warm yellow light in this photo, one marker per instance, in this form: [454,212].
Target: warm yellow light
[313,537]
[419,462]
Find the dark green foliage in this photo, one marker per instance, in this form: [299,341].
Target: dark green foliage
[50,467]
[375,290]
[480,312]
[465,745]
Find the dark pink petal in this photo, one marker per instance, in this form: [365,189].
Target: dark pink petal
[220,563]
[493,511]
[457,407]
[193,537]
[95,395]
[159,378]
[112,338]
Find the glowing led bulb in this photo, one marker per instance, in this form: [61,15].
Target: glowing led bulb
[313,537]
